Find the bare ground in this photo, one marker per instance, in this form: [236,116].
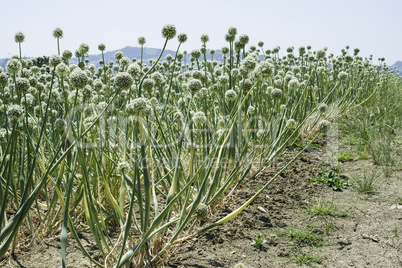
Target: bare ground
[282,207]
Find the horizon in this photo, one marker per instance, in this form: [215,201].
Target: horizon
[368,25]
[173,51]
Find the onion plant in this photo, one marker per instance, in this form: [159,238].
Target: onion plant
[136,155]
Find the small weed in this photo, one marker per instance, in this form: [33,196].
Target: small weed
[350,140]
[258,241]
[344,157]
[325,208]
[388,170]
[332,178]
[381,151]
[329,226]
[305,258]
[304,236]
[363,154]
[396,233]
[368,183]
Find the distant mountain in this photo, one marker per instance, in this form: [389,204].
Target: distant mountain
[148,53]
[153,53]
[130,52]
[398,65]
[133,52]
[3,62]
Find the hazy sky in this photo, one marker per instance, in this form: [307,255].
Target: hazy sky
[372,26]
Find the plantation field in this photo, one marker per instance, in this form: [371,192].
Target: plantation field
[288,205]
[262,158]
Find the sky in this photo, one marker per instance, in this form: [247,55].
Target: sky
[372,26]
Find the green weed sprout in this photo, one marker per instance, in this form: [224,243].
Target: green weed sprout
[258,241]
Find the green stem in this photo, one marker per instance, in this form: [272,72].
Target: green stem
[150,69]
[19,44]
